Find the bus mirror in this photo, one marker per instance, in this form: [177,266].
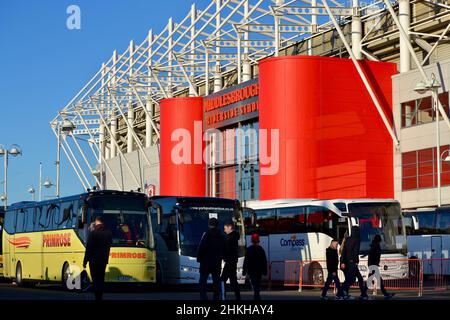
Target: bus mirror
[83,220]
[355,221]
[253,217]
[415,223]
[159,216]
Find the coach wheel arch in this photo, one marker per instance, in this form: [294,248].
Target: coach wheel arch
[19,274]
[65,271]
[159,273]
[315,274]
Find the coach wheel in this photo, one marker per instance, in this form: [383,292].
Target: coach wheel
[159,274]
[65,276]
[414,267]
[316,274]
[19,278]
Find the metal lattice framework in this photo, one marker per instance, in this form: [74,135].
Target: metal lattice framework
[117,111]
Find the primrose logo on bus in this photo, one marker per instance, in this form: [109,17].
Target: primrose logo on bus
[56,240]
[292,242]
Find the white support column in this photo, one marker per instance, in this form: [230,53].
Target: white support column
[246,65]
[277,38]
[193,91]
[130,109]
[218,74]
[404,16]
[130,119]
[170,57]
[356,30]
[102,142]
[149,104]
[113,124]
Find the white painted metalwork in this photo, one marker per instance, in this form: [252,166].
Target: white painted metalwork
[119,106]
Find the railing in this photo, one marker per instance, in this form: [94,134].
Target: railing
[419,275]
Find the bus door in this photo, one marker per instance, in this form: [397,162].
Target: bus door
[436,255]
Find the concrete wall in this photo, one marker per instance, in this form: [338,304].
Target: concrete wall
[420,136]
[145,173]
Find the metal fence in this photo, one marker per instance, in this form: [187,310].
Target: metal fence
[415,275]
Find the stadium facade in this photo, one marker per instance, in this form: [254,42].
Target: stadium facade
[275,99]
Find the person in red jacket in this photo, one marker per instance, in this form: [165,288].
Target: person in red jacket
[255,265]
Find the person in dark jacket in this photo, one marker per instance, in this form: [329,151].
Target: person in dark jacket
[209,255]
[255,265]
[374,262]
[349,262]
[332,268]
[98,246]
[230,258]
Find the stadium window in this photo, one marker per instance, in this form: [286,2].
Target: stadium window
[420,111]
[419,169]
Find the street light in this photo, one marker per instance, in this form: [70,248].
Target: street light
[65,127]
[14,150]
[33,192]
[433,86]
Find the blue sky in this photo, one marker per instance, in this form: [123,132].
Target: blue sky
[43,65]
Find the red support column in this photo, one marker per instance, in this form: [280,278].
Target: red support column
[182,168]
[333,143]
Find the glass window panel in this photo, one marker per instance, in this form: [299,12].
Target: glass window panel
[409,183]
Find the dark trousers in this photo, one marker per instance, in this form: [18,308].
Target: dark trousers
[331,278]
[204,274]
[98,279]
[351,275]
[230,272]
[255,281]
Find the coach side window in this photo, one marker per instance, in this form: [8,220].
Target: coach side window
[443,223]
[320,219]
[427,222]
[30,219]
[54,214]
[40,218]
[291,220]
[9,222]
[21,220]
[65,215]
[265,221]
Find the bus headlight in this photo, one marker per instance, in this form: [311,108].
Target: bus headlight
[189,269]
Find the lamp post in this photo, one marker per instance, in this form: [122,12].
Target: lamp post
[65,127]
[14,150]
[447,159]
[32,192]
[433,86]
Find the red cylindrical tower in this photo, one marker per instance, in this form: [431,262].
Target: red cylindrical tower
[332,141]
[182,169]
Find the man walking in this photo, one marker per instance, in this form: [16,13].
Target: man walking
[349,262]
[97,255]
[255,265]
[332,268]
[374,262]
[231,259]
[209,255]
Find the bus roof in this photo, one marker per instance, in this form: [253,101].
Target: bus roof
[181,198]
[27,204]
[283,203]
